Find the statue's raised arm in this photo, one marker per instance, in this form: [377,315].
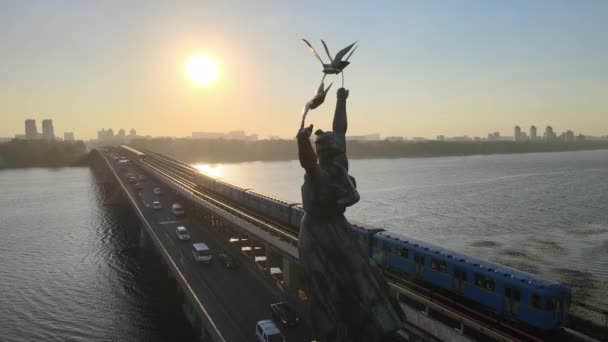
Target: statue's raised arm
[340,124]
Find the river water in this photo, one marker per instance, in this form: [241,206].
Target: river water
[544,213]
[70,268]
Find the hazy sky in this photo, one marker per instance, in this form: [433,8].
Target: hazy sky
[422,68]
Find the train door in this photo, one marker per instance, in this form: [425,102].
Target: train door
[556,306]
[460,278]
[512,299]
[419,262]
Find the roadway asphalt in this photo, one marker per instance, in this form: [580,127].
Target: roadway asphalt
[236,299]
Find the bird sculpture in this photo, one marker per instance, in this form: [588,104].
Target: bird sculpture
[336,65]
[316,101]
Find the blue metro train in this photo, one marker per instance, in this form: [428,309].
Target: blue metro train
[522,297]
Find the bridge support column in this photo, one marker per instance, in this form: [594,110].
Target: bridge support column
[272,260]
[291,276]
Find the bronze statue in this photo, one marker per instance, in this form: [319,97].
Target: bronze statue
[349,299]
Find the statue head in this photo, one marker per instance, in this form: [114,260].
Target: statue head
[327,146]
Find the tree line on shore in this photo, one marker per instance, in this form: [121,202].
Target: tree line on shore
[19,153]
[228,151]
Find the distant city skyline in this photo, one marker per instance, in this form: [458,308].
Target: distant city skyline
[422,68]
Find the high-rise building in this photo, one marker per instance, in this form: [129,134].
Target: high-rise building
[31,131]
[532,132]
[517,133]
[132,133]
[48,132]
[549,134]
[68,136]
[121,133]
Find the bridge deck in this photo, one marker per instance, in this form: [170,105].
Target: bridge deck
[235,300]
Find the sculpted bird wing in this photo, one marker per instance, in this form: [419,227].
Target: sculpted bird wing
[314,52]
[351,53]
[321,88]
[343,52]
[327,50]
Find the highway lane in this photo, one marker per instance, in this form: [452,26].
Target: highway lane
[238,297]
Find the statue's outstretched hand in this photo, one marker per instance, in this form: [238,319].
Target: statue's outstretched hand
[342,93]
[304,133]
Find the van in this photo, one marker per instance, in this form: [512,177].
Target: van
[201,252]
[177,210]
[267,331]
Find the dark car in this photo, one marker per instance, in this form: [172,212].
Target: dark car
[227,260]
[284,314]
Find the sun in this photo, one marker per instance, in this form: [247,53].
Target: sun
[202,70]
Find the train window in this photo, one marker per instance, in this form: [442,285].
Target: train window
[403,253]
[479,280]
[536,301]
[419,258]
[484,282]
[551,304]
[516,294]
[508,292]
[439,265]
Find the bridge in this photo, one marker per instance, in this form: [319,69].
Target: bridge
[223,304]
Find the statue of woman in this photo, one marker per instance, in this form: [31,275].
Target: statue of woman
[349,299]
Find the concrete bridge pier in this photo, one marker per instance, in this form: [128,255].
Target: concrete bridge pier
[291,277]
[273,260]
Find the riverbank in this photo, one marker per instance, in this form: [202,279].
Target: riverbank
[233,151]
[41,153]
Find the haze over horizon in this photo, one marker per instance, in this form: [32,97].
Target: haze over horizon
[422,69]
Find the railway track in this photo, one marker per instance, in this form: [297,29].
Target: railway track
[184,175]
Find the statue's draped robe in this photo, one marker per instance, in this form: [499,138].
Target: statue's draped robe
[348,295]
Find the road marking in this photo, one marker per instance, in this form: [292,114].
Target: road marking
[171,222]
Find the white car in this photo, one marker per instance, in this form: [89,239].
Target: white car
[182,233]
[142,177]
[267,331]
[157,191]
[201,252]
[156,205]
[177,210]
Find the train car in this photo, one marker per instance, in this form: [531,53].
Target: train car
[205,182]
[276,209]
[295,217]
[522,297]
[133,153]
[364,237]
[229,191]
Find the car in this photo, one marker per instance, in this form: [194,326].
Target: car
[228,261]
[182,233]
[177,210]
[157,191]
[284,314]
[138,186]
[142,177]
[156,205]
[202,253]
[267,331]
[132,179]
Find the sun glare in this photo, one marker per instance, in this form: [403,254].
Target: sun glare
[209,170]
[202,70]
